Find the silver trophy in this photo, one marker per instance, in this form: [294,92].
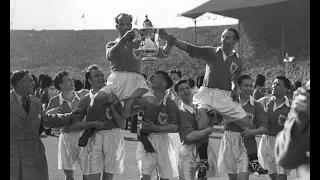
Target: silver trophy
[149,42]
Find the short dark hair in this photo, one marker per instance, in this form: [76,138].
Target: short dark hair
[285,80]
[200,81]
[191,82]
[297,84]
[78,85]
[46,81]
[176,86]
[35,81]
[260,80]
[87,75]
[89,69]
[177,71]
[236,33]
[116,19]
[243,77]
[17,76]
[58,78]
[40,77]
[166,77]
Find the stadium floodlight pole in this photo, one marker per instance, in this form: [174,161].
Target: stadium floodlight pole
[84,21]
[195,32]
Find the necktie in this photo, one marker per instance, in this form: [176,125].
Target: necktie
[25,104]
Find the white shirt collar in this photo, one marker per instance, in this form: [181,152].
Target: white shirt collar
[61,98]
[224,54]
[286,102]
[187,107]
[91,95]
[171,94]
[164,100]
[251,100]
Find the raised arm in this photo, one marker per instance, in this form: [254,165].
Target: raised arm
[199,52]
[112,47]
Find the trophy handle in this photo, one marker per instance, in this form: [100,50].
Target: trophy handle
[157,37]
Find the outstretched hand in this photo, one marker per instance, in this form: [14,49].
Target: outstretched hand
[164,35]
[129,35]
[301,102]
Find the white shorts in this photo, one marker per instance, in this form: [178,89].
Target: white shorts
[177,144]
[189,162]
[123,84]
[266,156]
[164,159]
[68,150]
[221,101]
[233,156]
[105,152]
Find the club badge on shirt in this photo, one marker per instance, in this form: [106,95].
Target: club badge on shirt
[282,119]
[162,118]
[233,67]
[109,114]
[251,116]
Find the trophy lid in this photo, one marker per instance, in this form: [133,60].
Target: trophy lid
[147,23]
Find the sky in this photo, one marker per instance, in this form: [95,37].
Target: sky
[99,14]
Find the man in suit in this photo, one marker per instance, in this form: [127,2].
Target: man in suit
[27,152]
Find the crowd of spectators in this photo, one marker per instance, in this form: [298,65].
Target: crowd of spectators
[51,51]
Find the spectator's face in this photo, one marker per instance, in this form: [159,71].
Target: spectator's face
[27,84]
[246,87]
[96,79]
[67,83]
[157,81]
[175,77]
[184,92]
[227,40]
[278,88]
[124,24]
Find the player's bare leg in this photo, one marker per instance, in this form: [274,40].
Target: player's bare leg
[204,120]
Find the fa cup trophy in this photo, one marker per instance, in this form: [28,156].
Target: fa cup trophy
[149,42]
